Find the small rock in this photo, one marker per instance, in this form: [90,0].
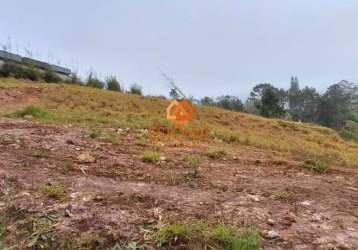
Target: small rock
[162,158]
[253,197]
[271,222]
[86,158]
[272,235]
[78,149]
[119,131]
[306,203]
[69,141]
[68,213]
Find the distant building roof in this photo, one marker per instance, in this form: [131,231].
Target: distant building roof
[42,65]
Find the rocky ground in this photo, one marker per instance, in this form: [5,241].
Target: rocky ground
[60,187]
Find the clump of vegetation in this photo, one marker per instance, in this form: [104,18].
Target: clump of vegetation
[190,175]
[94,82]
[50,75]
[172,233]
[32,111]
[151,156]
[56,192]
[316,164]
[135,89]
[350,131]
[42,236]
[219,236]
[113,84]
[16,70]
[282,195]
[216,153]
[192,160]
[95,133]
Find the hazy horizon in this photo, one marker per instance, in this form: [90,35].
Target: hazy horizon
[210,48]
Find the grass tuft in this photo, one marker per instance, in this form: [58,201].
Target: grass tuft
[216,153]
[151,156]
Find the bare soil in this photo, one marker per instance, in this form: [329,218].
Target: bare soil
[118,198]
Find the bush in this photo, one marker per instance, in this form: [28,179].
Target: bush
[136,89]
[113,84]
[151,156]
[51,76]
[94,82]
[10,69]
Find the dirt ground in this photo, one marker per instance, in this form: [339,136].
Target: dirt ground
[111,196]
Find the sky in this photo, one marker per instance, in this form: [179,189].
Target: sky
[209,47]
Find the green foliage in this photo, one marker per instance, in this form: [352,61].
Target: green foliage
[94,82]
[135,89]
[192,160]
[151,156]
[338,104]
[56,192]
[232,240]
[50,75]
[113,84]
[350,131]
[33,111]
[221,235]
[268,100]
[177,232]
[12,69]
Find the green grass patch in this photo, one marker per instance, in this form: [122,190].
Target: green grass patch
[316,164]
[218,236]
[32,112]
[56,192]
[151,156]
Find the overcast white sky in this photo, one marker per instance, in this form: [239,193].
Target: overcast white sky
[210,47]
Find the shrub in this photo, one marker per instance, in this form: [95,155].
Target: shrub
[136,89]
[94,82]
[11,69]
[51,76]
[31,73]
[151,156]
[113,84]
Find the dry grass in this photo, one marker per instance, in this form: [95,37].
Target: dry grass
[88,107]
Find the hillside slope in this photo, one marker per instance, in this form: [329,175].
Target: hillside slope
[77,172]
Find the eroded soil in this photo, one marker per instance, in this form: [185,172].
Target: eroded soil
[117,198]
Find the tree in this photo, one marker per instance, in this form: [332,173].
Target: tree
[174,94]
[295,100]
[207,101]
[310,101]
[270,101]
[270,104]
[338,104]
[113,84]
[230,103]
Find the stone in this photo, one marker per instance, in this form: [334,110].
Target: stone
[86,158]
[272,235]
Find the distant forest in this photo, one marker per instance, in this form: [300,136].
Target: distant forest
[337,108]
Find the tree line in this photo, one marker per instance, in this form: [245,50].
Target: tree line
[334,108]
